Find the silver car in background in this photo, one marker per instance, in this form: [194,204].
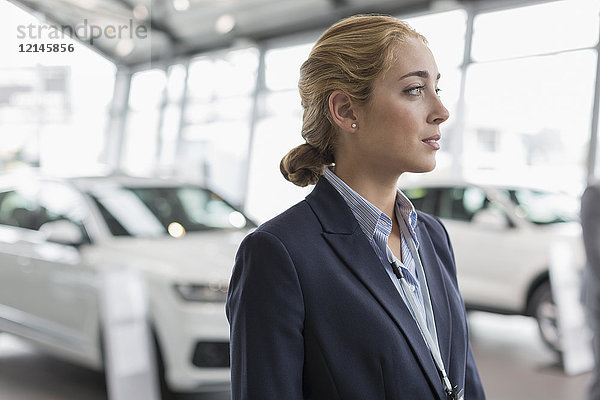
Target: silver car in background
[503,238]
[57,236]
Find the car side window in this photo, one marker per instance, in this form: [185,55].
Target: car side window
[461,203]
[19,209]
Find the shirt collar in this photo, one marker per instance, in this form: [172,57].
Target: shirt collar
[369,217]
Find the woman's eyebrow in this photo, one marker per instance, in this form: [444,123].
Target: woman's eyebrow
[420,74]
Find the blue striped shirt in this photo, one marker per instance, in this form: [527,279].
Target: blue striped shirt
[377,227]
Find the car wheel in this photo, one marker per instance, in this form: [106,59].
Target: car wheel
[543,309]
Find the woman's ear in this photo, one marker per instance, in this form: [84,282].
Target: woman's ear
[342,112]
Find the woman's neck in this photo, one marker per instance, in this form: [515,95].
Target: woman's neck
[378,189]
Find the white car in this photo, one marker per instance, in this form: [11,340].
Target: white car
[58,235]
[503,238]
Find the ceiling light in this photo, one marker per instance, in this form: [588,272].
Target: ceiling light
[140,12]
[181,5]
[225,24]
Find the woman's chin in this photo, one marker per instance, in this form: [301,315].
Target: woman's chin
[424,167]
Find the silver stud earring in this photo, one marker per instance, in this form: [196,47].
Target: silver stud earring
[354,125]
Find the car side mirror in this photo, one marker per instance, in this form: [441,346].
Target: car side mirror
[490,218]
[63,232]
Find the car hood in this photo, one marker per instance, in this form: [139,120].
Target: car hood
[198,256]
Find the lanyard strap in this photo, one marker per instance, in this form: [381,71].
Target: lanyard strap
[422,278]
[427,328]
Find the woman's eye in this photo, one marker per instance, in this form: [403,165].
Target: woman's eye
[415,91]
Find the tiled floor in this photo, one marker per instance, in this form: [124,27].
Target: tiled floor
[513,363]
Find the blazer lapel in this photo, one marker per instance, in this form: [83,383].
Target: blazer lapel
[437,291]
[342,231]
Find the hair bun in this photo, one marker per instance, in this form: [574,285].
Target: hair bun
[303,165]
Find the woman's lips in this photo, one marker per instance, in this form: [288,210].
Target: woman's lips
[433,142]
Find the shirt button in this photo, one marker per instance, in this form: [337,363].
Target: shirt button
[411,288]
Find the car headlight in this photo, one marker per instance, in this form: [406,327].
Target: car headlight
[209,293]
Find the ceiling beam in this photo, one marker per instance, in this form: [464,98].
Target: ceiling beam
[181,48]
[306,25]
[155,24]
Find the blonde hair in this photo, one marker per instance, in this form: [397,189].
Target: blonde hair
[349,56]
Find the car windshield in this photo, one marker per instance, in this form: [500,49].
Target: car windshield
[542,207]
[158,211]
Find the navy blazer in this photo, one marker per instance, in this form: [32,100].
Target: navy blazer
[314,315]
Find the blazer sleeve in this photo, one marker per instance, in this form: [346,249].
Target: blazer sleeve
[265,309]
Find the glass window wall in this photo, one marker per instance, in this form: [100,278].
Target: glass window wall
[53,107]
[529,95]
[218,119]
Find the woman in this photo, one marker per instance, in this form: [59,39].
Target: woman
[351,294]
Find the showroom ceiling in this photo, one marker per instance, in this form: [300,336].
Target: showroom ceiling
[154,30]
